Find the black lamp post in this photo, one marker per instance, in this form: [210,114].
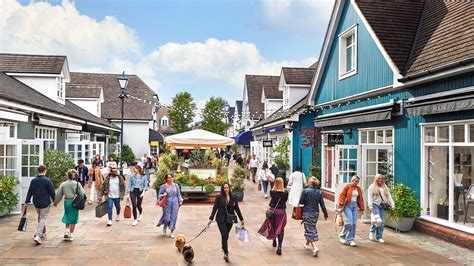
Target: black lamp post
[123,81]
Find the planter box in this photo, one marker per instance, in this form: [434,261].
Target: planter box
[239,195]
[403,224]
[192,189]
[217,188]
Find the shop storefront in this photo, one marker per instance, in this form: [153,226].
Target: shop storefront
[84,146]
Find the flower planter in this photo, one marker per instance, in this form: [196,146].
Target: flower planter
[217,188]
[239,195]
[402,224]
[192,189]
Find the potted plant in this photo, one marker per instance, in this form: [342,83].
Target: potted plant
[237,183]
[402,217]
[282,157]
[8,199]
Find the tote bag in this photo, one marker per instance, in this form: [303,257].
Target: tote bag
[127,212]
[101,209]
[23,222]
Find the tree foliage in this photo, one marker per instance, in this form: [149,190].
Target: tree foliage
[57,164]
[181,113]
[213,116]
[282,159]
[128,155]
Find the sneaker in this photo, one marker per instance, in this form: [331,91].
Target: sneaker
[109,223]
[71,237]
[226,258]
[343,241]
[140,217]
[89,202]
[266,196]
[172,235]
[353,244]
[117,218]
[37,239]
[315,252]
[371,235]
[306,246]
[381,240]
[135,222]
[66,234]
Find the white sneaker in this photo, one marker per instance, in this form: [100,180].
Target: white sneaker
[37,239]
[306,246]
[109,223]
[67,234]
[315,252]
[164,231]
[135,222]
[71,237]
[117,218]
[371,236]
[172,236]
[353,244]
[140,217]
[381,240]
[266,196]
[343,241]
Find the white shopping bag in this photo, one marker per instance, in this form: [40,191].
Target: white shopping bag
[375,219]
[242,234]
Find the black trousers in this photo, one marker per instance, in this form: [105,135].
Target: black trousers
[224,228]
[136,202]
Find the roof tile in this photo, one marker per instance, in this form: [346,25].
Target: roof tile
[40,64]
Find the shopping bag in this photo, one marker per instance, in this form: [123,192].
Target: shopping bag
[101,209]
[161,202]
[127,212]
[259,188]
[375,219]
[242,234]
[23,222]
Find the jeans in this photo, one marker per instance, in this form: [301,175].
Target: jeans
[110,203]
[42,216]
[378,230]
[136,202]
[225,228]
[265,186]
[351,213]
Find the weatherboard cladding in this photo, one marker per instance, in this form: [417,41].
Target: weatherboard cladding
[32,64]
[83,91]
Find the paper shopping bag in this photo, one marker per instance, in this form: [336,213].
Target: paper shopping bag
[242,234]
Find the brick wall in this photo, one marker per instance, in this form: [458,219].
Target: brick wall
[448,234]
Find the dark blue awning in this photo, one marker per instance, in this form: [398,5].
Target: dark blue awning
[274,129]
[243,138]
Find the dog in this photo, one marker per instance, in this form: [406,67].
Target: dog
[179,242]
[188,253]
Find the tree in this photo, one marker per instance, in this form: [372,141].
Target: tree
[128,155]
[57,164]
[181,112]
[213,116]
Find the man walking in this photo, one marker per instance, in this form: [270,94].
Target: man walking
[253,165]
[42,190]
[82,172]
[113,190]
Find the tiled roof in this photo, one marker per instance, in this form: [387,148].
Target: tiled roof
[282,114]
[82,91]
[164,129]
[133,109]
[255,84]
[298,75]
[40,64]
[230,115]
[15,91]
[238,106]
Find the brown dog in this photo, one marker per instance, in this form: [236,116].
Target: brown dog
[179,242]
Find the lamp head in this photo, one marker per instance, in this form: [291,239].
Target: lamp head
[123,80]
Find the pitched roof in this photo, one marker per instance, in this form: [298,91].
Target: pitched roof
[133,109]
[230,115]
[40,64]
[314,65]
[238,106]
[16,91]
[255,85]
[83,91]
[282,114]
[298,75]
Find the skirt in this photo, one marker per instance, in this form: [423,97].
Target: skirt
[271,228]
[71,215]
[310,232]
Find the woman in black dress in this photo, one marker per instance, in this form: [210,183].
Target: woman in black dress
[226,207]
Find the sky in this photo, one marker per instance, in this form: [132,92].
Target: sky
[204,47]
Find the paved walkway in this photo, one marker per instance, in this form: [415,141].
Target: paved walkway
[122,244]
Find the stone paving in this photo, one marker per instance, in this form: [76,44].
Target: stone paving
[122,244]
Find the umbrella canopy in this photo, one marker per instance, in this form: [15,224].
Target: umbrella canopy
[198,138]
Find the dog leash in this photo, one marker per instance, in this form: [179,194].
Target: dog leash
[200,233]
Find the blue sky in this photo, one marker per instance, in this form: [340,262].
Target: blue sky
[204,47]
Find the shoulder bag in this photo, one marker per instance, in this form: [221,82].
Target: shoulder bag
[385,205]
[230,218]
[79,201]
[271,212]
[127,212]
[23,221]
[297,213]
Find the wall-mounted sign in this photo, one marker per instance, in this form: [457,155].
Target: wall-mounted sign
[267,143]
[203,173]
[73,137]
[335,139]
[274,129]
[154,143]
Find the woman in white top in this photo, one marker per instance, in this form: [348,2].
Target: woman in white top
[295,186]
[378,193]
[266,177]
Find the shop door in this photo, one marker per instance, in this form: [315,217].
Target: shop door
[347,162]
[31,158]
[377,159]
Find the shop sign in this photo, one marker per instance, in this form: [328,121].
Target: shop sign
[247,146]
[154,143]
[203,173]
[335,139]
[267,143]
[275,129]
[73,137]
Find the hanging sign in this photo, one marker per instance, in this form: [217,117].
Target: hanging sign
[267,143]
[335,139]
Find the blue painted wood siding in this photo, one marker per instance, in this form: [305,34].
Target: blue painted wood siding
[302,155]
[372,69]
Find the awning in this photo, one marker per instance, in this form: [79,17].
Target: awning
[13,115]
[274,129]
[243,138]
[371,113]
[58,124]
[154,135]
[443,105]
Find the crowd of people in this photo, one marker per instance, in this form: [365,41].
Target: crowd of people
[298,192]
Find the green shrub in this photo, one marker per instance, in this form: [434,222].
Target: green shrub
[182,179]
[238,177]
[209,188]
[405,203]
[8,199]
[57,164]
[165,165]
[282,160]
[128,155]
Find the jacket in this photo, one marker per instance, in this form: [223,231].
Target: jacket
[346,194]
[105,186]
[311,198]
[98,177]
[221,210]
[133,179]
[85,174]
[68,190]
[42,190]
[266,175]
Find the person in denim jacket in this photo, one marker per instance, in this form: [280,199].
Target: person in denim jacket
[137,185]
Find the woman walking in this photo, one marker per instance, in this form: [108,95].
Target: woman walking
[67,190]
[171,191]
[276,225]
[296,186]
[312,199]
[98,161]
[266,177]
[137,186]
[111,163]
[95,182]
[352,203]
[226,207]
[378,194]
[114,190]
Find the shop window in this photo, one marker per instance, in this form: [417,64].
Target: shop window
[48,135]
[363,137]
[437,168]
[371,137]
[443,134]
[429,134]
[389,136]
[379,136]
[471,133]
[458,133]
[8,160]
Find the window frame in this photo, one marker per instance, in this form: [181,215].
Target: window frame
[60,87]
[47,134]
[351,31]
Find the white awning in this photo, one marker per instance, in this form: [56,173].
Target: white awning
[54,123]
[13,115]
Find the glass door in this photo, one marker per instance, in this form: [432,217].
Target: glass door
[31,158]
[346,162]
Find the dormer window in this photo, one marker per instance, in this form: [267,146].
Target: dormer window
[60,87]
[348,53]
[164,121]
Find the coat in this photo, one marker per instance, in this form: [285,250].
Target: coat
[296,186]
[98,177]
[106,187]
[220,209]
[346,194]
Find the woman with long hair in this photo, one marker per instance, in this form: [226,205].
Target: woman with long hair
[312,199]
[137,186]
[266,177]
[226,207]
[378,193]
[171,191]
[351,202]
[95,182]
[67,190]
[276,225]
[99,162]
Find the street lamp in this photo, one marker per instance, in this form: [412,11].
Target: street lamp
[123,81]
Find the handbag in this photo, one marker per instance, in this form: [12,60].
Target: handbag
[79,201]
[297,213]
[242,234]
[230,218]
[259,188]
[271,212]
[161,202]
[23,222]
[385,205]
[339,218]
[127,212]
[101,209]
